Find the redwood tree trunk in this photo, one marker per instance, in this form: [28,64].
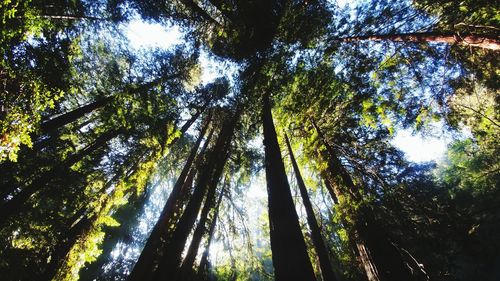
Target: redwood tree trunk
[208,179]
[485,42]
[201,228]
[190,122]
[317,239]
[203,268]
[379,257]
[149,255]
[289,252]
[68,117]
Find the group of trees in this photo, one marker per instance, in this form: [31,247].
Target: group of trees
[86,122]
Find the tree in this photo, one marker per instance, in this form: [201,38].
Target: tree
[97,127]
[290,258]
[319,245]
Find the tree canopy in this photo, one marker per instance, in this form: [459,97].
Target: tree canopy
[120,162]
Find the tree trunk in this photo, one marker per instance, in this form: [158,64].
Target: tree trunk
[188,124]
[201,228]
[208,179]
[339,179]
[289,252]
[380,259]
[203,268]
[193,6]
[146,261]
[317,239]
[68,117]
[485,42]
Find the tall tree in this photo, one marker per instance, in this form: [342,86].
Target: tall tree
[319,244]
[149,254]
[290,258]
[206,183]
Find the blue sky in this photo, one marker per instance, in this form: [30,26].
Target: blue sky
[144,35]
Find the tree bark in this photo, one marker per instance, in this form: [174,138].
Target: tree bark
[207,181]
[199,11]
[485,42]
[380,259]
[149,255]
[203,268]
[201,228]
[71,116]
[317,239]
[289,252]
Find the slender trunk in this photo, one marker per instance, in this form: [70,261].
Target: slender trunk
[51,139]
[201,228]
[317,239]
[329,187]
[15,204]
[339,179]
[380,259]
[68,117]
[290,258]
[188,124]
[199,11]
[146,261]
[485,42]
[207,181]
[203,268]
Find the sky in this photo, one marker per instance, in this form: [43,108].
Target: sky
[142,35]
[418,148]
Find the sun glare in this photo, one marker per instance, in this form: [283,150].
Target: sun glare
[152,35]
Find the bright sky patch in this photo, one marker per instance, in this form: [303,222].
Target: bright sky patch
[152,35]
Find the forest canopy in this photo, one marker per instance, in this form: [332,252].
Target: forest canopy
[256,142]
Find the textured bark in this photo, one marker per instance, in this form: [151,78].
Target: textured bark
[289,252]
[197,10]
[380,259]
[146,262]
[168,268]
[485,42]
[200,231]
[317,239]
[203,268]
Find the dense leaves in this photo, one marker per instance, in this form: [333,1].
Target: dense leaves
[119,161]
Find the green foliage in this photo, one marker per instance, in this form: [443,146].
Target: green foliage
[340,103]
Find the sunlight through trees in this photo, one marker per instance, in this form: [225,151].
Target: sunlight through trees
[249,140]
